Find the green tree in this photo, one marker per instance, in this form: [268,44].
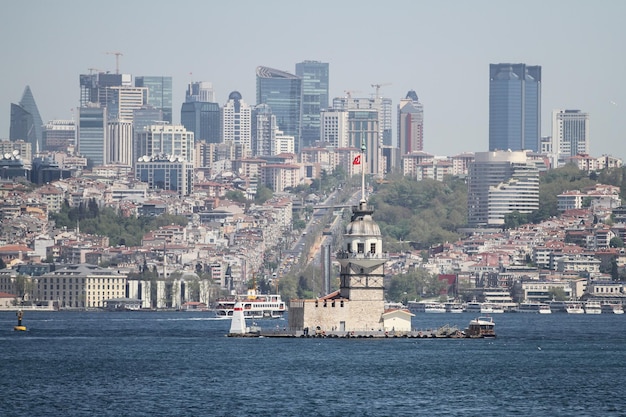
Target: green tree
[263,194]
[616,242]
[236,196]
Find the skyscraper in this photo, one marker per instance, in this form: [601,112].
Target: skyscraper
[282,91]
[410,124]
[203,119]
[26,123]
[237,122]
[570,135]
[314,76]
[200,91]
[92,134]
[514,107]
[263,130]
[159,93]
[364,128]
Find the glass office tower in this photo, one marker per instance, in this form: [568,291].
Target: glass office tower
[314,76]
[159,93]
[282,91]
[26,123]
[203,119]
[514,107]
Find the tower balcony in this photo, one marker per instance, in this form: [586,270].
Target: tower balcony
[354,255]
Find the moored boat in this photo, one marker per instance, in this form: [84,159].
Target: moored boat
[481,327]
[574,308]
[534,308]
[612,308]
[593,307]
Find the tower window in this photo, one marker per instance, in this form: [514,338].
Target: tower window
[373,248]
[360,247]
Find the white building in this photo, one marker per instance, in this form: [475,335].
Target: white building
[570,135]
[237,123]
[162,140]
[499,183]
[334,127]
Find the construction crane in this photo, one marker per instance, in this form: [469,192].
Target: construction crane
[349,93]
[377,87]
[117,60]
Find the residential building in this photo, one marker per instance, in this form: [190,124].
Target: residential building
[263,130]
[282,91]
[314,75]
[499,183]
[514,107]
[166,173]
[282,143]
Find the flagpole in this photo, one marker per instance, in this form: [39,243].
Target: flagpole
[363,148]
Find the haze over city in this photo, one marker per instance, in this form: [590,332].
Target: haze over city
[442,50]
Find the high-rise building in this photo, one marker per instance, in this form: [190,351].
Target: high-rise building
[59,135]
[500,183]
[237,123]
[385,110]
[514,107]
[26,123]
[124,101]
[202,118]
[172,141]
[282,91]
[263,130]
[120,150]
[200,91]
[334,127]
[364,128]
[92,134]
[314,76]
[410,124]
[159,93]
[570,135]
[95,88]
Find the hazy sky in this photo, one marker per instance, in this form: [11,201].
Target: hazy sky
[441,49]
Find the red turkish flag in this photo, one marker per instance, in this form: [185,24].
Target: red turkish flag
[357,160]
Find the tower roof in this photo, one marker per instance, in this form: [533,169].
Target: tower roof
[362,223]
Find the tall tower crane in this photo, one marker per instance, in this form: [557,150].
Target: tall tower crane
[117,60]
[377,87]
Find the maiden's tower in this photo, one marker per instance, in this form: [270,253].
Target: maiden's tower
[358,305]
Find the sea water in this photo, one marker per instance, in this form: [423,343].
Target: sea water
[181,364]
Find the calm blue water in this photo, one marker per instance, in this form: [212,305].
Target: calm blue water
[180,364]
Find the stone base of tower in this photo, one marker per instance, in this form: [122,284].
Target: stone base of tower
[332,313]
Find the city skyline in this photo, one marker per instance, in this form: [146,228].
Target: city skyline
[445,62]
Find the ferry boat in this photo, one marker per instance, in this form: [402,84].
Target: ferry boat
[612,308]
[454,307]
[574,308]
[254,306]
[481,327]
[426,307]
[473,307]
[534,308]
[593,307]
[491,308]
